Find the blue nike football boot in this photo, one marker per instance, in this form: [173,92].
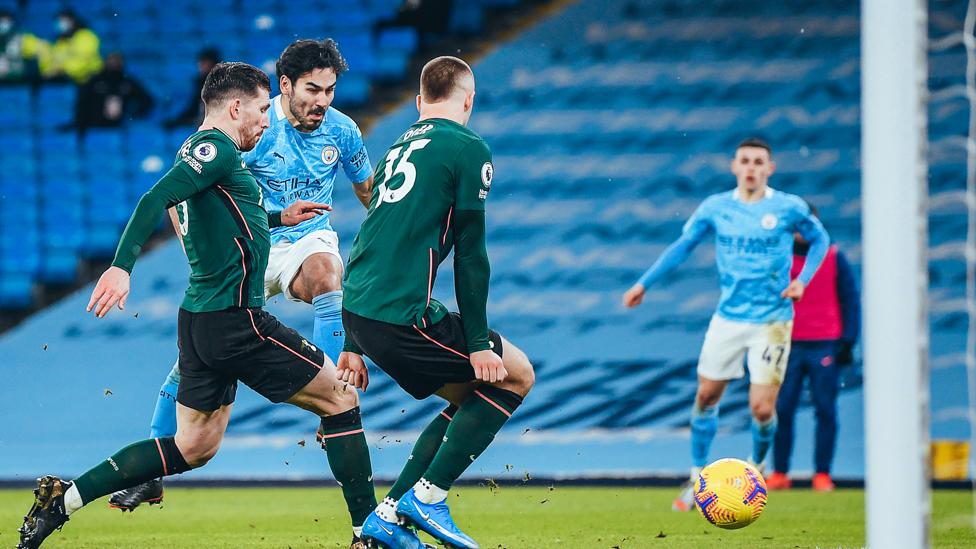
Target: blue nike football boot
[435,520]
[389,535]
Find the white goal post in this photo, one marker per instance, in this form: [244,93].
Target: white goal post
[894,144]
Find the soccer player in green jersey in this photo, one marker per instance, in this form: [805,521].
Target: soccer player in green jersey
[224,334]
[429,197]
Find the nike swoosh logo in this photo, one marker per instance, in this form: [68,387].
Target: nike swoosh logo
[423,515]
[390,532]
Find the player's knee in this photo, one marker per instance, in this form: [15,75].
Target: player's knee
[198,454]
[342,398]
[707,399]
[762,411]
[320,275]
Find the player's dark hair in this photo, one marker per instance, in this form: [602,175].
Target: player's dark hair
[441,76]
[755,142]
[228,80]
[304,56]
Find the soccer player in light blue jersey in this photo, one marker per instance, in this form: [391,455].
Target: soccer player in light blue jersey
[298,158]
[753,226]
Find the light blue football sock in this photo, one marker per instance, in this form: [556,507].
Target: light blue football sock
[762,437]
[704,425]
[164,417]
[327,328]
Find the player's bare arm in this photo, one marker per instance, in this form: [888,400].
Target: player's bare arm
[302,210]
[634,296]
[363,191]
[352,370]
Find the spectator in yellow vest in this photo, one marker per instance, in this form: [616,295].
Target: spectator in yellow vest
[74,55]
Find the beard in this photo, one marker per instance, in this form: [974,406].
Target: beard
[248,143]
[306,124]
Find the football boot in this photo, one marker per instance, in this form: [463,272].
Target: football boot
[823,483]
[778,481]
[47,514]
[150,492]
[435,519]
[389,535]
[686,499]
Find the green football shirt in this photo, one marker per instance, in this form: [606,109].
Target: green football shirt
[428,196]
[222,220]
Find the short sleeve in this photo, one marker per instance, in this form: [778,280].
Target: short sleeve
[699,223]
[206,160]
[355,159]
[474,173]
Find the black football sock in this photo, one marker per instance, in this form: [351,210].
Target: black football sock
[471,431]
[423,453]
[344,442]
[131,466]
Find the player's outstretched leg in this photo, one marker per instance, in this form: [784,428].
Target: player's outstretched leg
[56,499]
[340,432]
[327,326]
[378,525]
[163,426]
[47,514]
[479,417]
[762,403]
[704,425]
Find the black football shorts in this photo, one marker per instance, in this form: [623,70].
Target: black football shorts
[420,360]
[220,348]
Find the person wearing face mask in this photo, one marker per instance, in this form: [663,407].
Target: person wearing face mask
[14,48]
[73,55]
[111,97]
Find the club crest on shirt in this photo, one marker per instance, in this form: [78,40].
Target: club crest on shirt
[487,172]
[205,152]
[329,155]
[769,221]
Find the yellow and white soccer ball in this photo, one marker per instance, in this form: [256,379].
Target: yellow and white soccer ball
[730,493]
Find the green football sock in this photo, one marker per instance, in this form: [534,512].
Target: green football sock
[131,466]
[344,442]
[423,453]
[470,432]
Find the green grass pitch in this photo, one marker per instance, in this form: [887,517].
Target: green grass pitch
[511,517]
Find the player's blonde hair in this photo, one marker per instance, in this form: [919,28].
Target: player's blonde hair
[442,76]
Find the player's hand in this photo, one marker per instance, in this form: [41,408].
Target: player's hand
[634,296]
[488,366]
[112,288]
[302,210]
[352,369]
[795,290]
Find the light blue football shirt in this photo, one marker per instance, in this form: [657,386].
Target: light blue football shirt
[753,252]
[291,165]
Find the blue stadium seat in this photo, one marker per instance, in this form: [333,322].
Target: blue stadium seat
[404,39]
[467,18]
[354,91]
[102,141]
[16,290]
[17,108]
[103,239]
[59,103]
[59,265]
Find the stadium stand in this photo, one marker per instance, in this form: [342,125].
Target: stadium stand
[609,122]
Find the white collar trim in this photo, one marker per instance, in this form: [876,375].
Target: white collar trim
[767,194]
[277,107]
